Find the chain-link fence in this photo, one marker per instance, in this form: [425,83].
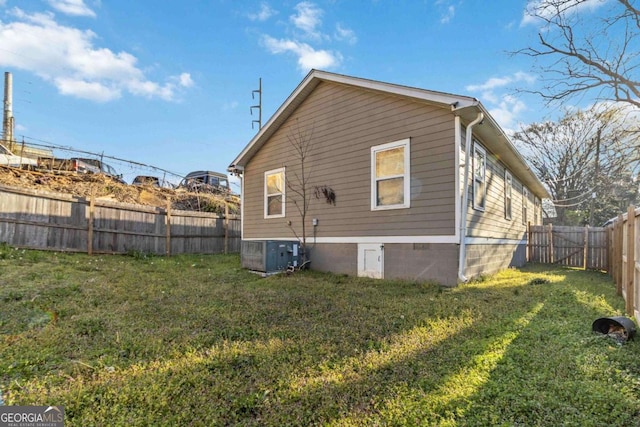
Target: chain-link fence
[59,158]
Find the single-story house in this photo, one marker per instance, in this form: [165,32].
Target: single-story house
[400,182]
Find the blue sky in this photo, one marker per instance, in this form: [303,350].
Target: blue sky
[169,83]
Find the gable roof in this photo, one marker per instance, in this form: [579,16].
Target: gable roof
[494,138]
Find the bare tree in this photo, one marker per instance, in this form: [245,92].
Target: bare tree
[595,53]
[584,160]
[298,182]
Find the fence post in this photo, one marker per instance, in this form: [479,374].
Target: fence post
[585,254]
[92,208]
[168,228]
[550,243]
[529,241]
[619,239]
[610,251]
[226,227]
[631,261]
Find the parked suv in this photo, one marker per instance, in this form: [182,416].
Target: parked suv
[206,181]
[105,169]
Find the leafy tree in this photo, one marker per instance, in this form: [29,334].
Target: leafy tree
[585,161]
[593,47]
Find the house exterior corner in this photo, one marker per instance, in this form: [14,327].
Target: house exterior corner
[367,175]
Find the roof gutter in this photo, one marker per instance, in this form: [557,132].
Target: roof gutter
[465,198]
[236,170]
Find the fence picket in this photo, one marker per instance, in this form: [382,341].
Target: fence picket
[631,260]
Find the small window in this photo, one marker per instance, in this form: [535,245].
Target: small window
[536,209]
[525,202]
[274,193]
[479,177]
[508,187]
[390,175]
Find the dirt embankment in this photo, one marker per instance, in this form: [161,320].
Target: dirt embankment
[105,188]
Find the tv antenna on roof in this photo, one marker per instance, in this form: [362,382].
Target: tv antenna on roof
[259,106]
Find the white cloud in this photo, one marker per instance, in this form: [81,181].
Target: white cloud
[308,57]
[343,33]
[185,80]
[151,89]
[507,111]
[304,30]
[505,108]
[67,57]
[307,19]
[448,15]
[72,7]
[492,83]
[545,9]
[446,9]
[263,14]
[87,90]
[498,82]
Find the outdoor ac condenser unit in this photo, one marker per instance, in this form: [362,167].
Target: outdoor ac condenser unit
[269,256]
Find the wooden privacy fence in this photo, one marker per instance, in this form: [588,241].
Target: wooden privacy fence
[615,249]
[625,259]
[44,220]
[584,247]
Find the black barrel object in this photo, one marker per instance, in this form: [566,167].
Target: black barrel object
[619,327]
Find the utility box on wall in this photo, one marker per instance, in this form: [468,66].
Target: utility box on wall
[269,256]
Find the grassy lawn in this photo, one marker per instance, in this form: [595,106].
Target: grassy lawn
[195,340]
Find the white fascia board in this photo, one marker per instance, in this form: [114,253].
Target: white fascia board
[454,101]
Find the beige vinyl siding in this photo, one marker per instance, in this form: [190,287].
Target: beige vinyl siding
[344,124]
[491,222]
[504,245]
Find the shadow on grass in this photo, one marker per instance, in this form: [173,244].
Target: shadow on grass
[557,372]
[322,349]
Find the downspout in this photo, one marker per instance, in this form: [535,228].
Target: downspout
[465,198]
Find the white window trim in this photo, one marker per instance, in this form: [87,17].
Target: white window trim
[406,143]
[283,194]
[508,194]
[478,148]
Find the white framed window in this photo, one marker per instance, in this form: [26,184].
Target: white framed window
[508,187]
[390,182]
[479,177]
[525,203]
[274,193]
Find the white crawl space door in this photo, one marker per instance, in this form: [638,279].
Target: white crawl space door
[371,260]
